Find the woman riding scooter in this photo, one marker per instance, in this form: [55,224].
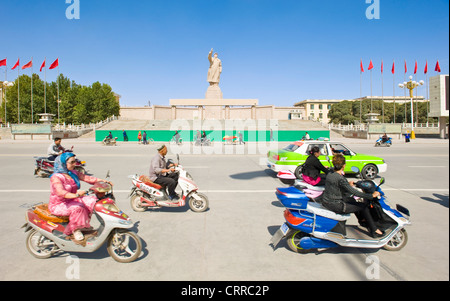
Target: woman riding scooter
[67,200]
[338,195]
[312,168]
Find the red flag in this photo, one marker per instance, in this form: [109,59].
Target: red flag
[426,68]
[16,65]
[3,62]
[42,66]
[393,67]
[54,64]
[381,66]
[406,69]
[28,65]
[415,68]
[362,68]
[370,65]
[437,68]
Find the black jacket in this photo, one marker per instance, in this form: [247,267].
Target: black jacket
[338,189]
[312,167]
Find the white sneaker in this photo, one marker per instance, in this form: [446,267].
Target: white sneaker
[78,235]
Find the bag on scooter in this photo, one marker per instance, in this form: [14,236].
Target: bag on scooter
[43,212]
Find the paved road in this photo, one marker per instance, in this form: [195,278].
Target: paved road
[230,241]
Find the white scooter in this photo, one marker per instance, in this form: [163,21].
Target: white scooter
[46,235]
[146,194]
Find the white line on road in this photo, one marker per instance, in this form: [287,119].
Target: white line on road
[235,191]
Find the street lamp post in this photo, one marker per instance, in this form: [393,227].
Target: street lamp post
[410,86]
[5,84]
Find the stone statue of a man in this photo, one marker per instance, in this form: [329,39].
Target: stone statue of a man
[215,68]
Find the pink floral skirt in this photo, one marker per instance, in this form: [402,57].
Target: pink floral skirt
[78,210]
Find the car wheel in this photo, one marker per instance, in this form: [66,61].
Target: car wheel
[298,172]
[369,172]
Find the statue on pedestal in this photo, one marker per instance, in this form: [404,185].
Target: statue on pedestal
[215,68]
[214,71]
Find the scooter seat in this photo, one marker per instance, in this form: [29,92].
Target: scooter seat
[43,212]
[148,182]
[318,209]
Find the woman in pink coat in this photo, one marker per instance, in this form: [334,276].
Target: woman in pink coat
[66,198]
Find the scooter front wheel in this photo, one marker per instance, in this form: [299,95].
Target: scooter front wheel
[124,246]
[398,241]
[293,241]
[200,204]
[40,246]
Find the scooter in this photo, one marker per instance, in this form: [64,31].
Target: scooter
[46,232]
[311,191]
[387,143]
[109,141]
[148,195]
[310,226]
[44,167]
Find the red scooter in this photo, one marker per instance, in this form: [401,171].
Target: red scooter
[46,231]
[44,167]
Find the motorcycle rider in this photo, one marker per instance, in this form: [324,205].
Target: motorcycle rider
[338,196]
[108,138]
[163,174]
[55,149]
[312,168]
[66,198]
[384,138]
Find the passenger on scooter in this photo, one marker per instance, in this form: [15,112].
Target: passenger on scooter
[338,196]
[163,174]
[66,198]
[312,168]
[55,149]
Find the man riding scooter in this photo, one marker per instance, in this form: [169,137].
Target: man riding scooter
[161,173]
[55,149]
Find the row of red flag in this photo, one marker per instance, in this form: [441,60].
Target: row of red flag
[30,64]
[437,68]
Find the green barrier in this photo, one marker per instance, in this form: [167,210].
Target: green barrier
[191,135]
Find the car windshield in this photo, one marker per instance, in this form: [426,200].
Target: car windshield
[291,148]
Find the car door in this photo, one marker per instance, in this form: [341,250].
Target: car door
[323,152]
[350,156]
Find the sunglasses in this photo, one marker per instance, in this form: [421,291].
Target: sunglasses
[71,162]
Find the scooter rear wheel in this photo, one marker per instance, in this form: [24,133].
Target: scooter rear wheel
[293,241]
[40,246]
[136,204]
[124,246]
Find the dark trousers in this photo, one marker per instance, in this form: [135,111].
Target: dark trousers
[352,206]
[170,181]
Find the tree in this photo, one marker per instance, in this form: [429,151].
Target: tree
[78,104]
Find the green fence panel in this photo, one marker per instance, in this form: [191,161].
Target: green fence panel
[249,136]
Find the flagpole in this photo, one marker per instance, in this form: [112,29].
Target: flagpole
[393,89]
[6,79]
[371,97]
[18,94]
[382,92]
[32,119]
[58,92]
[360,95]
[45,88]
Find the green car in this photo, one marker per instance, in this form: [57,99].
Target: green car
[294,155]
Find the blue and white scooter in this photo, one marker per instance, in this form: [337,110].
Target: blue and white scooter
[311,226]
[381,142]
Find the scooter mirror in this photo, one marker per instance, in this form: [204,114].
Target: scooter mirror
[382,181]
[107,175]
[178,158]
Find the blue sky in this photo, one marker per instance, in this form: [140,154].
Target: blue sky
[277,51]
